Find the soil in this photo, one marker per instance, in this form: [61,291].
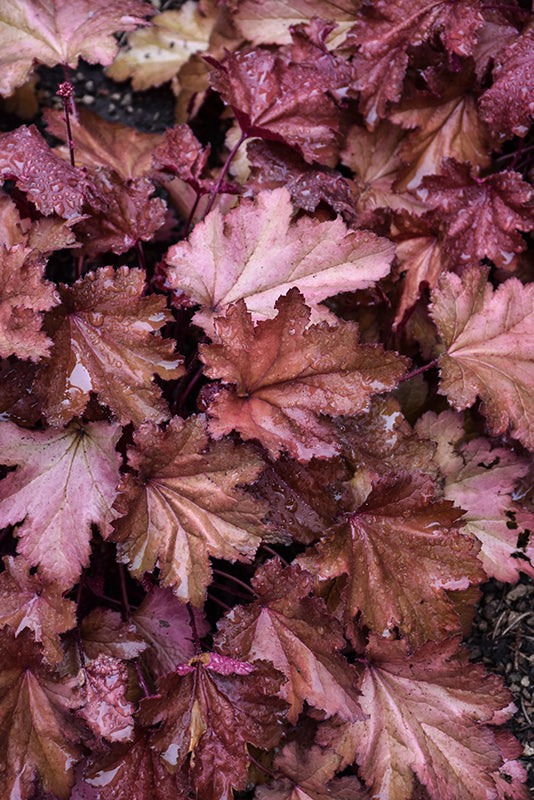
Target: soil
[502,635]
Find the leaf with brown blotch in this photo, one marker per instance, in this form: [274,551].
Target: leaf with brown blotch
[135,772]
[257,254]
[29,602]
[289,376]
[488,336]
[431,717]
[60,32]
[104,343]
[296,634]
[66,480]
[484,215]
[124,215]
[481,479]
[211,708]
[100,143]
[275,95]
[103,632]
[508,105]
[399,526]
[385,32]
[107,712]
[38,733]
[310,776]
[185,507]
[54,186]
[165,625]
[156,54]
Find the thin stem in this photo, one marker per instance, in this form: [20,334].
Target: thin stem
[419,370]
[78,266]
[275,554]
[191,215]
[223,172]
[194,629]
[226,589]
[190,386]
[221,603]
[264,769]
[141,255]
[126,611]
[142,681]
[236,580]
[65,91]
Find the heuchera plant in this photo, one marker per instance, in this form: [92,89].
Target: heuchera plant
[267,408]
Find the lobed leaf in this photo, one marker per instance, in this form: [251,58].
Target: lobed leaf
[289,376]
[293,632]
[104,343]
[59,32]
[488,336]
[186,506]
[256,254]
[66,481]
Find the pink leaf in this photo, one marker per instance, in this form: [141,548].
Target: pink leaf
[66,481]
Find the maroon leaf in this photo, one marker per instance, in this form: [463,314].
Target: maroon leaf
[104,342]
[386,32]
[508,105]
[124,215]
[38,733]
[28,602]
[106,710]
[274,164]
[274,95]
[295,633]
[431,717]
[48,181]
[489,349]
[211,708]
[289,376]
[397,527]
[185,506]
[485,215]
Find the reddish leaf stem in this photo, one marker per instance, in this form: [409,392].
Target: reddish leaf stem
[275,554]
[263,769]
[142,681]
[235,580]
[419,370]
[194,629]
[65,91]
[189,388]
[141,255]
[191,215]
[223,172]
[220,603]
[126,611]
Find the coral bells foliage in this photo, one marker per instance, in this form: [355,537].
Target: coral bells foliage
[267,401]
